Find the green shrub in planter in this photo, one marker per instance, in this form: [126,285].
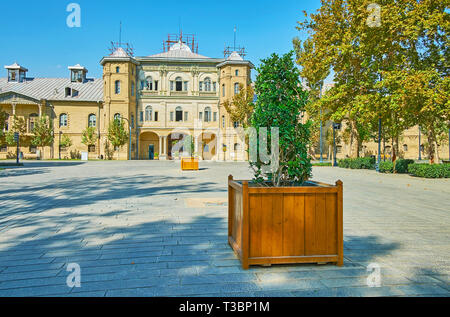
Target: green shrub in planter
[401,165]
[386,167]
[344,163]
[429,170]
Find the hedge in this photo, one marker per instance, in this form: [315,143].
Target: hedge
[401,165]
[386,167]
[429,170]
[358,163]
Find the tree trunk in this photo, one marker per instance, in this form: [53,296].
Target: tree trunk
[354,140]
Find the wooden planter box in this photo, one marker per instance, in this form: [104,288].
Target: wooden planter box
[270,225]
[189,164]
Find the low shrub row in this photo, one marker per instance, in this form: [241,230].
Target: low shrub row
[322,164]
[430,170]
[400,166]
[358,163]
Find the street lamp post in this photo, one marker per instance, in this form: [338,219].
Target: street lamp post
[336,126]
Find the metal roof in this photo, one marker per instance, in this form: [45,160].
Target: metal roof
[54,89]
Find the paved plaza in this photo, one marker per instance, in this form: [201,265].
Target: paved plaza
[145,228]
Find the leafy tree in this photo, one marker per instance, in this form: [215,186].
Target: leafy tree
[241,106]
[89,136]
[42,133]
[281,102]
[19,125]
[395,71]
[3,118]
[66,141]
[117,135]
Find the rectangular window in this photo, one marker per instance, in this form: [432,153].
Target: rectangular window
[156,85]
[3,148]
[33,149]
[179,86]
[179,116]
[214,86]
[186,116]
[141,116]
[171,86]
[200,116]
[185,86]
[200,88]
[171,116]
[91,148]
[156,115]
[223,90]
[215,116]
[223,122]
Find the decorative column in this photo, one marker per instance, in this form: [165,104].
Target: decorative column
[160,147]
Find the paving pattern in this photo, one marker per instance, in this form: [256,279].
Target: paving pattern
[148,229]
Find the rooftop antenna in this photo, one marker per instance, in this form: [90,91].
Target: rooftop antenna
[120,34]
[234,45]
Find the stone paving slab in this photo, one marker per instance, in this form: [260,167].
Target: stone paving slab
[147,229]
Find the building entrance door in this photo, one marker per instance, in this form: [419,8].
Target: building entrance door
[151,152]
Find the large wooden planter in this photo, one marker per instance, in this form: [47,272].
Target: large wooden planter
[189,164]
[269,225]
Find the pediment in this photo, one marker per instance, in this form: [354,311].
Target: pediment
[13,97]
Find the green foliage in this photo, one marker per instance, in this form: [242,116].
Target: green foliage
[117,134]
[42,132]
[358,163]
[386,167]
[429,170]
[322,164]
[66,141]
[281,102]
[401,165]
[396,71]
[18,125]
[89,136]
[3,117]
[241,106]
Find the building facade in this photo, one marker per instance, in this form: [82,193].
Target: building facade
[167,100]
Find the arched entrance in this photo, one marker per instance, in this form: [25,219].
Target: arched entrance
[179,144]
[148,146]
[208,146]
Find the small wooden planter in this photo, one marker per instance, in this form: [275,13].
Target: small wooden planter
[189,164]
[270,225]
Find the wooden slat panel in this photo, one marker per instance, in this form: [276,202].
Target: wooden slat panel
[255,226]
[237,228]
[292,190]
[277,223]
[310,224]
[294,225]
[331,209]
[320,231]
[266,225]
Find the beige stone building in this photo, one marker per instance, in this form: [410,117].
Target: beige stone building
[163,98]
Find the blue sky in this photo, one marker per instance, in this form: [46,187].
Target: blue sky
[35,34]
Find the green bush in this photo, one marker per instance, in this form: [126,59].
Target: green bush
[358,163]
[386,167]
[401,165]
[322,164]
[429,170]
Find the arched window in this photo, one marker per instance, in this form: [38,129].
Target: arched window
[207,82]
[92,120]
[179,114]
[117,69]
[149,83]
[117,116]
[148,113]
[236,88]
[178,84]
[117,87]
[237,147]
[405,147]
[223,90]
[62,120]
[207,114]
[236,72]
